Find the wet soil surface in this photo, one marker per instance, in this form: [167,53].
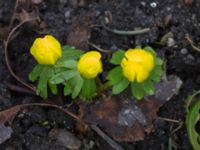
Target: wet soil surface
[169,22]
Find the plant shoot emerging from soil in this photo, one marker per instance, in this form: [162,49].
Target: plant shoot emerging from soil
[138,68]
[78,71]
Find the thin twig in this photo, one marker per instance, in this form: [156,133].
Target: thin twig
[78,119]
[121,32]
[14,13]
[98,48]
[57,107]
[178,128]
[169,120]
[106,138]
[6,53]
[192,43]
[20,89]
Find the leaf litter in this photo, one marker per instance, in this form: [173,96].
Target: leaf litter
[127,120]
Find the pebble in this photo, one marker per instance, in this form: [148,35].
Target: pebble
[184,51]
[5,133]
[65,138]
[153,4]
[67,14]
[170,42]
[190,57]
[143,3]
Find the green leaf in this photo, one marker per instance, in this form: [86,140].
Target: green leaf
[192,118]
[158,70]
[117,57]
[137,90]
[148,87]
[63,76]
[156,74]
[67,89]
[150,49]
[53,88]
[121,86]
[138,46]
[115,75]
[158,61]
[71,64]
[70,52]
[34,75]
[77,83]
[88,89]
[42,83]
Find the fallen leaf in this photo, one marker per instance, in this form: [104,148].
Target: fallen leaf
[78,37]
[127,120]
[79,32]
[8,115]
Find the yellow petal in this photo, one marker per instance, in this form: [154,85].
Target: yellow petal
[53,45]
[137,64]
[129,73]
[46,50]
[90,65]
[141,73]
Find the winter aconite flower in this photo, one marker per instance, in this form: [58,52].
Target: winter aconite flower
[46,50]
[137,64]
[90,65]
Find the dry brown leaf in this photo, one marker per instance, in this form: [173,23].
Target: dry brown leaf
[8,115]
[79,33]
[127,120]
[78,37]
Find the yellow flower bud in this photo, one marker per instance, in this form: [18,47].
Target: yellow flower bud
[137,64]
[46,50]
[90,65]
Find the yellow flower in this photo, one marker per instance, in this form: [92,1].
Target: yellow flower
[137,64]
[90,65]
[46,50]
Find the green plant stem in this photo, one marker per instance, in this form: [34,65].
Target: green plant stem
[103,88]
[98,81]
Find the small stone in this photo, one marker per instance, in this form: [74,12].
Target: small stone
[184,51]
[190,57]
[91,144]
[5,133]
[65,138]
[143,3]
[107,21]
[153,4]
[170,42]
[67,14]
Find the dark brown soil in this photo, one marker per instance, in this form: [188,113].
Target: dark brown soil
[182,60]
